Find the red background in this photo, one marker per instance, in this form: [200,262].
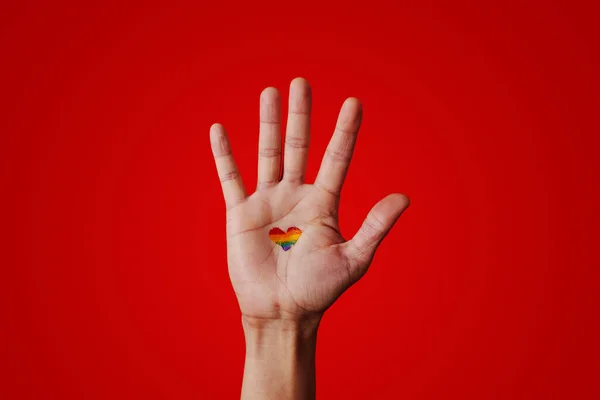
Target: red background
[486,115]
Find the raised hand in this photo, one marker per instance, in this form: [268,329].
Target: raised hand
[302,281]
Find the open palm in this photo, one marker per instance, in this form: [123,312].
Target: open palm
[307,278]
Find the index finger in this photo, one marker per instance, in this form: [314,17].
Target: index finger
[339,151]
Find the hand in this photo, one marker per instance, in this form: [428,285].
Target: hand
[302,282]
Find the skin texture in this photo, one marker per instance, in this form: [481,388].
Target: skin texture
[283,294]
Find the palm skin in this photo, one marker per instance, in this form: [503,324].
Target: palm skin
[304,281]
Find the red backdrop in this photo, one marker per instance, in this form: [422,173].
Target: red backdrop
[115,276]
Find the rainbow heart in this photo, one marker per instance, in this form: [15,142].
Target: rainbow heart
[285,239]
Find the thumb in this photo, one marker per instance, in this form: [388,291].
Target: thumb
[361,248]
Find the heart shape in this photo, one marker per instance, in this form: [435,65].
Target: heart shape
[285,239]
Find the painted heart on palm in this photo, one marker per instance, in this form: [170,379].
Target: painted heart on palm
[285,239]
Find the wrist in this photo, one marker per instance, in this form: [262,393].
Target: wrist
[280,357]
[302,328]
[280,336]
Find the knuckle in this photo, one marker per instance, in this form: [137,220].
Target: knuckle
[269,152]
[222,154]
[270,121]
[296,142]
[372,228]
[338,155]
[228,176]
[267,184]
[297,180]
[346,128]
[295,177]
[300,109]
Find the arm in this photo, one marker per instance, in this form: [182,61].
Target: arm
[280,359]
[287,259]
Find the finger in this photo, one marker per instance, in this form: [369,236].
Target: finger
[269,139]
[297,134]
[231,181]
[361,248]
[339,151]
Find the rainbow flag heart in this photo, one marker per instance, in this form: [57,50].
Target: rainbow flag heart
[285,239]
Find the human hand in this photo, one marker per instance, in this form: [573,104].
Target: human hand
[302,282]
